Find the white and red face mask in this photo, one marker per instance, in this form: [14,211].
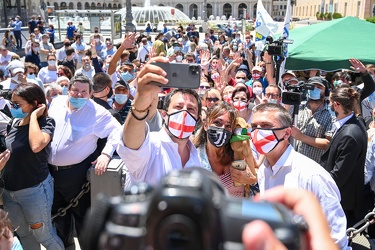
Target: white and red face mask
[240,105]
[228,98]
[265,140]
[255,76]
[181,124]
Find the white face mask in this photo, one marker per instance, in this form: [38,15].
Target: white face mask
[178,58]
[51,63]
[36,49]
[15,78]
[257,90]
[274,101]
[97,40]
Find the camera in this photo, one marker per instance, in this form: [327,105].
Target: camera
[189,209]
[6,93]
[296,93]
[276,48]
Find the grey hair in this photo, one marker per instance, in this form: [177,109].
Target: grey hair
[281,113]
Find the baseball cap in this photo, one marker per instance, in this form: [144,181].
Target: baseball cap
[16,66]
[257,68]
[318,80]
[122,83]
[289,72]
[243,67]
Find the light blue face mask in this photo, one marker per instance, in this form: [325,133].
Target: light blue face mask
[18,113]
[77,102]
[126,76]
[64,90]
[121,98]
[314,94]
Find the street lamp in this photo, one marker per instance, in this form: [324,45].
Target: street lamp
[205,10]
[129,26]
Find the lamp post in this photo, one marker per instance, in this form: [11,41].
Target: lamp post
[205,10]
[129,26]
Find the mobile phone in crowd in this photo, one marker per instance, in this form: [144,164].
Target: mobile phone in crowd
[180,75]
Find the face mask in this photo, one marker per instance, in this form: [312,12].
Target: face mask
[17,19]
[97,40]
[256,76]
[18,113]
[64,90]
[201,92]
[235,47]
[32,76]
[15,79]
[229,61]
[228,99]
[178,58]
[274,101]
[257,90]
[218,136]
[265,140]
[237,38]
[87,66]
[126,76]
[121,98]
[107,65]
[110,93]
[240,105]
[314,94]
[37,49]
[51,63]
[77,103]
[181,124]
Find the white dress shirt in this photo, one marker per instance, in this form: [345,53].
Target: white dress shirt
[294,170]
[77,132]
[157,157]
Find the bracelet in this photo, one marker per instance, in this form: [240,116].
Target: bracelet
[268,63]
[142,118]
[106,155]
[141,111]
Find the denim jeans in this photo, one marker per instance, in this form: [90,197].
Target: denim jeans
[31,206]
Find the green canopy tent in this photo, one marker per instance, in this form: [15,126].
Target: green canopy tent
[329,45]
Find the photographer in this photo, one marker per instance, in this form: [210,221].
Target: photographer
[150,156]
[314,128]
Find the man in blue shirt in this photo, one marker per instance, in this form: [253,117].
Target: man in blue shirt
[70,31]
[32,24]
[17,30]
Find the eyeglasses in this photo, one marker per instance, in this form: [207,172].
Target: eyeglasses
[15,105]
[209,99]
[204,87]
[274,96]
[190,60]
[31,73]
[238,77]
[109,43]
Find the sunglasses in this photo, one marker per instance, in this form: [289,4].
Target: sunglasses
[244,78]
[215,99]
[204,87]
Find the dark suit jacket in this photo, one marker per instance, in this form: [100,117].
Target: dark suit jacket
[345,160]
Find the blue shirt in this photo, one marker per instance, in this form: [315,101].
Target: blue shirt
[17,25]
[70,31]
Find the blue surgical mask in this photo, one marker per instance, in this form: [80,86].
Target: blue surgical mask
[121,98]
[18,113]
[235,47]
[32,76]
[64,90]
[77,102]
[314,94]
[126,76]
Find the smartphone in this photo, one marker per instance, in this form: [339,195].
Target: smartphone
[180,75]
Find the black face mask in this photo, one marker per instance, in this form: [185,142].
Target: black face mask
[218,136]
[110,93]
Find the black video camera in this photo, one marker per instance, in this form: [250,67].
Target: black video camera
[188,210]
[276,48]
[296,92]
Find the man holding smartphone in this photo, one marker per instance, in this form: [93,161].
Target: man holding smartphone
[147,155]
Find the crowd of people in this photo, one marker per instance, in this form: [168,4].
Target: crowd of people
[77,106]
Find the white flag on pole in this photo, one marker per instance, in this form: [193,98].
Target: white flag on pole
[285,35]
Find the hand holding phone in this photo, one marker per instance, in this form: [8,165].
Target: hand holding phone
[180,75]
